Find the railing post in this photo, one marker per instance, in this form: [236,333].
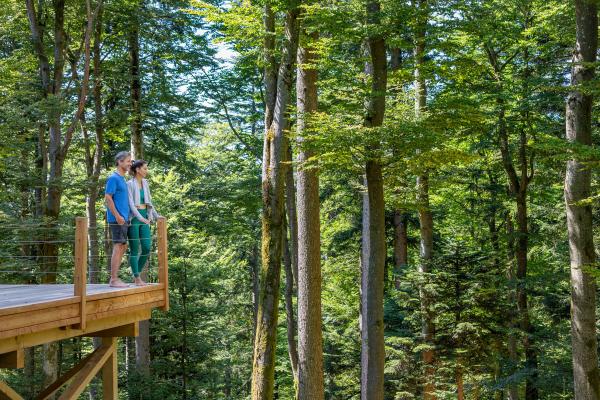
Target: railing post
[163,263]
[80,277]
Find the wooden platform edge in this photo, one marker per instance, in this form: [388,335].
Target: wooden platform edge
[24,341]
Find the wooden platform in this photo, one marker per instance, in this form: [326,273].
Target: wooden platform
[32,315]
[35,314]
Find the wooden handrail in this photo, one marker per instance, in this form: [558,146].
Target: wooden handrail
[81,261]
[81,258]
[163,263]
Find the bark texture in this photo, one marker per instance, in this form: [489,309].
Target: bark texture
[586,376]
[374,246]
[310,337]
[273,228]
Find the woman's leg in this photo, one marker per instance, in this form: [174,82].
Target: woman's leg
[146,243]
[134,246]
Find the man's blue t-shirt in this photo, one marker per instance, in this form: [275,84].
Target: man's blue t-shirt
[115,185]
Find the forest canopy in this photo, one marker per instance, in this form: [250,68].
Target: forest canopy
[365,199]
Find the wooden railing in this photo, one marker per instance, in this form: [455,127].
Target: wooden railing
[81,262]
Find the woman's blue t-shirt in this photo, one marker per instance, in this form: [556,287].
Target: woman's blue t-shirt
[117,187]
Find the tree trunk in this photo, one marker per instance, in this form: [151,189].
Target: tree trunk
[400,218]
[290,259]
[94,162]
[273,185]
[400,245]
[586,376]
[513,388]
[29,372]
[425,216]
[310,336]
[291,326]
[460,387]
[254,271]
[374,245]
[142,341]
[292,213]
[531,391]
[137,141]
[58,143]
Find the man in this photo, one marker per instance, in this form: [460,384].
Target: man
[116,197]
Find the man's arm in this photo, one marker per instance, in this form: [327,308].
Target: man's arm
[111,206]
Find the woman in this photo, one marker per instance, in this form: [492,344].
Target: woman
[141,215]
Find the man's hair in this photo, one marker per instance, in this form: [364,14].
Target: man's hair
[121,156]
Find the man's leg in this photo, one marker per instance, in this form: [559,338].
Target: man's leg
[119,250]
[119,236]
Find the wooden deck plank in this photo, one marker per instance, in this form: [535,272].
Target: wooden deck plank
[52,306]
[23,295]
[30,313]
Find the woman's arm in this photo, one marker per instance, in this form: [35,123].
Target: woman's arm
[153,213]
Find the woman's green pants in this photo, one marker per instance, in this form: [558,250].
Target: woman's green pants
[139,244]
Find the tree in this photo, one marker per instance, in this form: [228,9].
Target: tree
[374,245]
[310,339]
[579,212]
[59,144]
[425,215]
[273,188]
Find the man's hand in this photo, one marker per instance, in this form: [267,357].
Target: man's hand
[120,220]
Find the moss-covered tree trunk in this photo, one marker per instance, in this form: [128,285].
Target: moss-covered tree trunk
[273,189]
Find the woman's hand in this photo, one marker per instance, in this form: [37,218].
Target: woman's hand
[145,221]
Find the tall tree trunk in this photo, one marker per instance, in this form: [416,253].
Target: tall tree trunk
[400,218]
[513,388]
[374,245]
[290,248]
[586,376]
[273,189]
[292,211]
[142,341]
[133,39]
[310,336]
[518,188]
[531,390]
[290,315]
[400,244]
[254,271]
[93,163]
[94,160]
[59,143]
[425,216]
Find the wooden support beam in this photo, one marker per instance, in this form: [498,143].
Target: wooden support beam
[163,262]
[129,330]
[14,359]
[80,278]
[7,393]
[110,376]
[52,335]
[66,377]
[93,365]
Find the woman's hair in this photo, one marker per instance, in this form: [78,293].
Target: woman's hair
[135,166]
